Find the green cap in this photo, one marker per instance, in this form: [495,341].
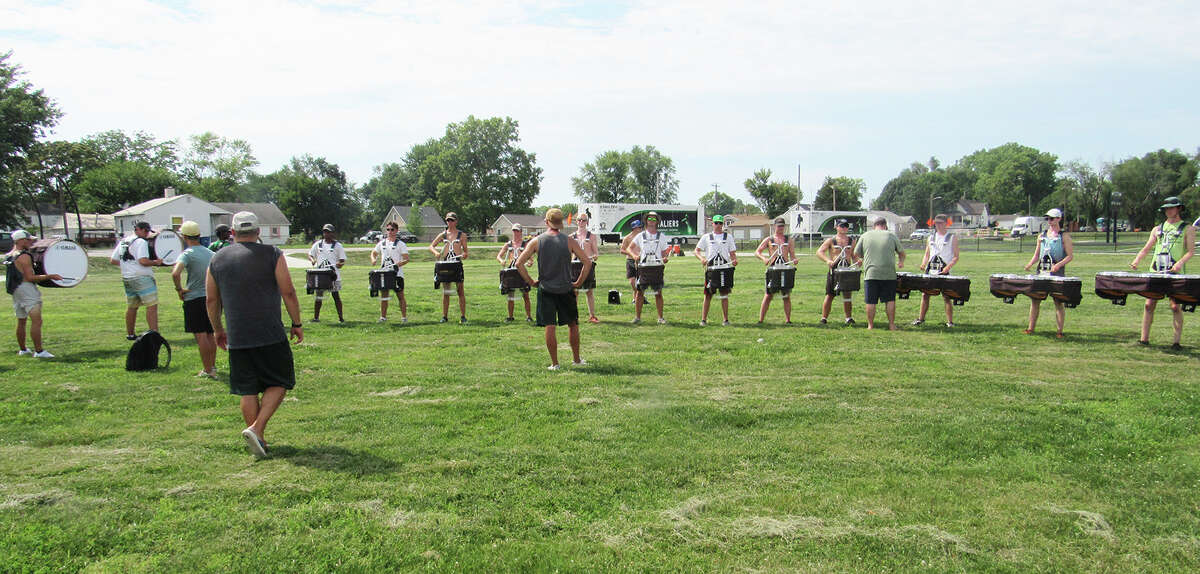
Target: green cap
[718,219]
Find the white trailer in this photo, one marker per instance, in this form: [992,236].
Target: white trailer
[613,220]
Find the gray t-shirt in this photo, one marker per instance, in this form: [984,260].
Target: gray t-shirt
[554,263]
[245,276]
[878,248]
[195,260]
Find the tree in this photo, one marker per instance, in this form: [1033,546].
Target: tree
[716,202]
[116,146]
[567,208]
[1082,190]
[313,192]
[214,167]
[25,115]
[1011,178]
[54,169]
[653,175]
[606,180]
[119,184]
[1146,181]
[640,175]
[773,197]
[847,191]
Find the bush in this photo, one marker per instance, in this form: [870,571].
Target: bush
[502,238]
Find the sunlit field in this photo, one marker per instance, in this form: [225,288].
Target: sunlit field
[677,447]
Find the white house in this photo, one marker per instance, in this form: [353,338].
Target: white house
[431,222]
[970,214]
[274,227]
[169,212]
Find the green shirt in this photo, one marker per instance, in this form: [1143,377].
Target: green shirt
[215,245]
[878,249]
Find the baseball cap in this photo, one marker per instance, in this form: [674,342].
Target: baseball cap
[451,216]
[142,225]
[190,229]
[221,230]
[1171,202]
[327,227]
[718,219]
[939,218]
[1055,212]
[838,223]
[635,223]
[652,215]
[780,221]
[20,234]
[517,227]
[245,221]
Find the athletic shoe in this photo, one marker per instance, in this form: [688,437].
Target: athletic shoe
[593,319]
[529,319]
[662,321]
[404,319]
[254,443]
[823,320]
[1176,347]
[703,323]
[341,320]
[581,362]
[315,320]
[1028,331]
[849,321]
[636,320]
[444,320]
[43,354]
[130,337]
[462,320]
[206,375]
[24,352]
[787,322]
[382,320]
[508,320]
[950,325]
[1144,343]
[918,322]
[725,324]
[553,367]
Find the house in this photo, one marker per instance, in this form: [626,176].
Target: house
[169,212]
[748,227]
[49,221]
[970,214]
[531,225]
[431,221]
[273,226]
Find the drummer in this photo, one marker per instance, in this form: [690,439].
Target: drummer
[194,259]
[777,249]
[1174,243]
[1053,252]
[716,248]
[21,283]
[455,250]
[328,253]
[837,251]
[137,274]
[224,237]
[651,249]
[392,255]
[590,242]
[630,258]
[941,253]
[507,257]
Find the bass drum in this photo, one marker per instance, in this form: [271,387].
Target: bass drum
[167,245]
[59,257]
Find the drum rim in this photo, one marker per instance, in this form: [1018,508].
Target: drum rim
[46,244]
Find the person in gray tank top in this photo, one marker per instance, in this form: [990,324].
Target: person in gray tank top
[246,281]
[556,304]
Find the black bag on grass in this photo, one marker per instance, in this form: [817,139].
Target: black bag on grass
[143,355]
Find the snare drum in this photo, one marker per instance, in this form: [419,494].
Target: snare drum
[577,268]
[447,272]
[718,278]
[650,277]
[167,245]
[781,279]
[319,279]
[511,280]
[382,280]
[62,257]
[847,279]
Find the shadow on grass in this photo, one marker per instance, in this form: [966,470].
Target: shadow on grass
[612,369]
[99,355]
[335,458]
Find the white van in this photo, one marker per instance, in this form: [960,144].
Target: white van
[1026,225]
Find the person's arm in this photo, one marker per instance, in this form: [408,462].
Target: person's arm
[625,243]
[733,253]
[759,252]
[115,258]
[436,241]
[634,250]
[700,253]
[341,255]
[1189,238]
[524,259]
[288,291]
[177,275]
[900,254]
[312,254]
[594,243]
[500,253]
[954,257]
[213,305]
[1069,248]
[1145,249]
[925,257]
[856,252]
[1037,249]
[403,257]
[375,252]
[823,252]
[147,261]
[578,251]
[791,251]
[25,266]
[466,249]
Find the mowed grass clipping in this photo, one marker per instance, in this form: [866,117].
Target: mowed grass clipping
[451,447]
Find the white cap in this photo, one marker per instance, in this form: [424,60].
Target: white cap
[244,221]
[1056,212]
[20,234]
[517,227]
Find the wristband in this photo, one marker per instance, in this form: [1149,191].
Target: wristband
[297,325]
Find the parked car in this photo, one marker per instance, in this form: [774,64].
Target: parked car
[6,242]
[919,234]
[407,237]
[371,237]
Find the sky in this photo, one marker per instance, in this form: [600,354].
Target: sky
[805,89]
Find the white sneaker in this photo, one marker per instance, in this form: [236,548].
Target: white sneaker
[25,352]
[254,443]
[382,320]
[553,367]
[662,321]
[404,319]
[43,354]
[582,361]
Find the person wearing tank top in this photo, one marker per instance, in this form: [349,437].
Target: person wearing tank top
[713,249]
[1054,251]
[1173,243]
[837,251]
[651,249]
[941,253]
[455,250]
[590,243]
[556,303]
[507,257]
[777,249]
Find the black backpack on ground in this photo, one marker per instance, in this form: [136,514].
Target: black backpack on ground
[143,355]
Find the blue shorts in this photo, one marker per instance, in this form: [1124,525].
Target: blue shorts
[140,290]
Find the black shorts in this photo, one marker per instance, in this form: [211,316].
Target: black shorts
[195,316]
[829,283]
[251,371]
[399,287]
[507,290]
[630,268]
[879,291]
[556,308]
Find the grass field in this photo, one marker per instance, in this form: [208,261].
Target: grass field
[677,448]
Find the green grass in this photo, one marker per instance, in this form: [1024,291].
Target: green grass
[449,447]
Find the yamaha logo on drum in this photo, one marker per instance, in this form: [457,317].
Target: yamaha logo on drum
[65,246]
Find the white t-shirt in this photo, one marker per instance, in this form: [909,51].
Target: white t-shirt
[717,248]
[139,248]
[328,255]
[390,254]
[650,247]
[940,247]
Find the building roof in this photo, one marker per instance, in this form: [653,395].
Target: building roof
[429,215]
[268,213]
[526,220]
[971,207]
[145,206]
[750,220]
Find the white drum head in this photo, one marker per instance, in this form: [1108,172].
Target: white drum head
[168,246]
[67,258]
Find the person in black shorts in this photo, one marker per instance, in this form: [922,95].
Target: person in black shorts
[556,303]
[194,260]
[246,281]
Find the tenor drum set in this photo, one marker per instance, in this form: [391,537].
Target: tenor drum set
[956,287]
[1117,285]
[1067,290]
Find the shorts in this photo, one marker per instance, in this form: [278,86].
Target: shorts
[252,370]
[879,290]
[195,316]
[829,282]
[26,300]
[556,308]
[590,281]
[399,287]
[140,290]
[337,286]
[630,268]
[506,290]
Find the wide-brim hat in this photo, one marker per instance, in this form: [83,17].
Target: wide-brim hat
[1172,201]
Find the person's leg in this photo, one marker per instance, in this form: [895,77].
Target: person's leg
[445,302]
[924,307]
[1177,311]
[658,302]
[1035,307]
[130,320]
[250,409]
[703,307]
[337,304]
[826,306]
[528,313]
[271,399]
[847,304]
[552,344]
[1148,319]
[317,301]
[208,351]
[949,309]
[383,303]
[21,333]
[573,333]
[462,300]
[591,299]
[890,308]
[725,304]
[403,304]
[787,307]
[762,308]
[35,328]
[152,317]
[511,303]
[639,298]
[1060,315]
[870,316]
